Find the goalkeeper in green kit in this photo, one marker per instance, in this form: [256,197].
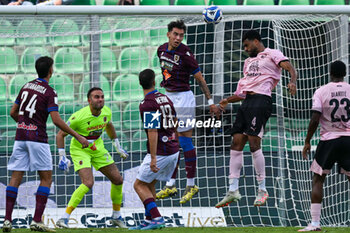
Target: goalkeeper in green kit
[90,122]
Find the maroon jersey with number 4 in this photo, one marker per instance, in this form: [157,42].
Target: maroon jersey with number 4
[177,67]
[156,104]
[36,100]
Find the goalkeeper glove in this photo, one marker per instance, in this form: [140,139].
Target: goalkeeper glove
[123,153]
[63,163]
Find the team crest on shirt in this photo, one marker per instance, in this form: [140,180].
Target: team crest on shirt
[176,58]
[254,66]
[81,162]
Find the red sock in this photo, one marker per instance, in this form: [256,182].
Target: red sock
[191,163]
[41,198]
[151,207]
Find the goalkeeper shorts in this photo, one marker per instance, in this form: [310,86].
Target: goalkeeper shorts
[82,158]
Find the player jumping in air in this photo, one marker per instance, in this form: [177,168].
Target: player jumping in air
[178,64]
[262,71]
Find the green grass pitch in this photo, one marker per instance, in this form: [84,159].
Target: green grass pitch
[199,230]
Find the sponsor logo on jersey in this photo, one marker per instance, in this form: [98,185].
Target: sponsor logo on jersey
[164,59]
[96,127]
[26,127]
[167,65]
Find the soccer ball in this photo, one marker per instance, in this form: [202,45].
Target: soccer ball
[212,14]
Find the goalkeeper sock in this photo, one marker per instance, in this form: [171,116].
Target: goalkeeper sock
[117,198]
[259,165]
[11,196]
[76,198]
[315,214]
[236,163]
[41,199]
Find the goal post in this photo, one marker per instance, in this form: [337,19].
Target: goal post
[107,46]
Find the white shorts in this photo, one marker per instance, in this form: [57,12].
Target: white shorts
[166,165]
[28,155]
[185,106]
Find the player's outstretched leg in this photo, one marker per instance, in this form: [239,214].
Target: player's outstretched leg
[231,196]
[40,226]
[7,226]
[191,166]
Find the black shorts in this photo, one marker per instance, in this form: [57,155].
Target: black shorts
[252,115]
[331,151]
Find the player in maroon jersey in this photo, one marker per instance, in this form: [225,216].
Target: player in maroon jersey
[178,64]
[31,151]
[159,121]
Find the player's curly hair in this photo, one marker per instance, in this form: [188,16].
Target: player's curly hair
[251,35]
[338,69]
[177,24]
[146,78]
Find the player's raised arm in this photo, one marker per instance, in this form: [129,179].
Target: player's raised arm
[57,120]
[286,65]
[204,87]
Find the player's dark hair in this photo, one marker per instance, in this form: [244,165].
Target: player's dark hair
[338,69]
[177,24]
[93,89]
[43,65]
[251,35]
[146,78]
